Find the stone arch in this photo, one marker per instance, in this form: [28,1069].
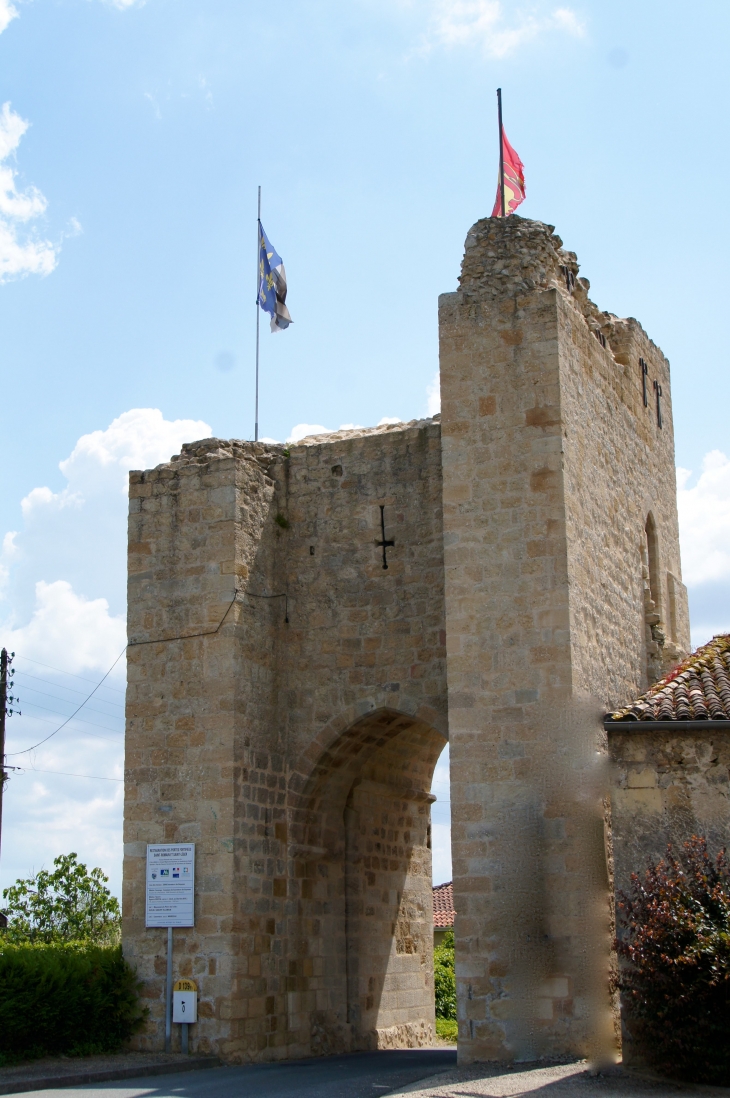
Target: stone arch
[360,846]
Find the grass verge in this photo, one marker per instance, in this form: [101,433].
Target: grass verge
[446,1028]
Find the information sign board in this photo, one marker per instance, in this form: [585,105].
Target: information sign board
[170,884]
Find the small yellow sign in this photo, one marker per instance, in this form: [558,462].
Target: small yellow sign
[185,985]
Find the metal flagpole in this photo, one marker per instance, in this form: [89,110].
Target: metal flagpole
[258,279]
[501,150]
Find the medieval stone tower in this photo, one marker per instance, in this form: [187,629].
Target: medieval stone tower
[289,694]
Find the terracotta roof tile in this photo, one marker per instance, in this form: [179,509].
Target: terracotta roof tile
[696,690]
[443,906]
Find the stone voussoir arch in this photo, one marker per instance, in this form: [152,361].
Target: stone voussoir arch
[360,863]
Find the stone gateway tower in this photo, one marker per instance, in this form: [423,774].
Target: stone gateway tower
[308,627]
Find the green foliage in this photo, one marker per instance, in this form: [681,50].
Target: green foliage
[70,998]
[444,978]
[67,904]
[447,1029]
[674,941]
[282,521]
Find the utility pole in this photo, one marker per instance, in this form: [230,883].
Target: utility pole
[3,710]
[6,677]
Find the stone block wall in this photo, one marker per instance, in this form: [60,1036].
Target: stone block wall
[551,466]
[297,753]
[668,785]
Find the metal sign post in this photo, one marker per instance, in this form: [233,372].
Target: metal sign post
[168,992]
[170,895]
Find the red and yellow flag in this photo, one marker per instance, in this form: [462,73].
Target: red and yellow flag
[514,181]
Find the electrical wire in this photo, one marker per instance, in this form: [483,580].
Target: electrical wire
[78,710]
[35,705]
[71,673]
[81,731]
[65,774]
[131,644]
[45,720]
[23,675]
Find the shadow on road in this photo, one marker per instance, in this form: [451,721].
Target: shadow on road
[357,1075]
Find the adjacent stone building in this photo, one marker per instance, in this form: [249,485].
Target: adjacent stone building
[670,754]
[670,751]
[309,625]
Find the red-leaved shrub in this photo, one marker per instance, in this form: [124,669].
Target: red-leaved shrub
[674,945]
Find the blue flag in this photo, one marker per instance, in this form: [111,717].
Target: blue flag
[272,284]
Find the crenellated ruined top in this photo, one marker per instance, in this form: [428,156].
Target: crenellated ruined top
[513,256]
[266,453]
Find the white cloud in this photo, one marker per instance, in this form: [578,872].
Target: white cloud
[567,20]
[484,24]
[7,12]
[704,521]
[50,814]
[7,554]
[62,585]
[433,395]
[21,253]
[44,497]
[304,430]
[68,561]
[69,629]
[138,439]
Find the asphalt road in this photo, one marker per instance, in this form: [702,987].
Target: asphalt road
[359,1075]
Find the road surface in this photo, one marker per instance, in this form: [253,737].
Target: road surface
[359,1075]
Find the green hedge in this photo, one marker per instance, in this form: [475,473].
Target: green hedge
[444,978]
[71,998]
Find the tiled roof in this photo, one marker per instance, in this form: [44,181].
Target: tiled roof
[696,690]
[443,906]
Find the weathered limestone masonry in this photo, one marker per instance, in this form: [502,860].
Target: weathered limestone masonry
[288,698]
[670,751]
[671,784]
[297,755]
[552,467]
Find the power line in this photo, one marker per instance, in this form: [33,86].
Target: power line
[81,731]
[35,705]
[71,673]
[65,774]
[59,686]
[131,644]
[27,749]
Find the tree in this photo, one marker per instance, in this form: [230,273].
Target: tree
[68,904]
[443,977]
[674,943]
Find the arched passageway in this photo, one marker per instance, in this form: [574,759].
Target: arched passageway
[361,856]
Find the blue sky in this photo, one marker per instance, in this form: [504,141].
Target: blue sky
[130,152]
